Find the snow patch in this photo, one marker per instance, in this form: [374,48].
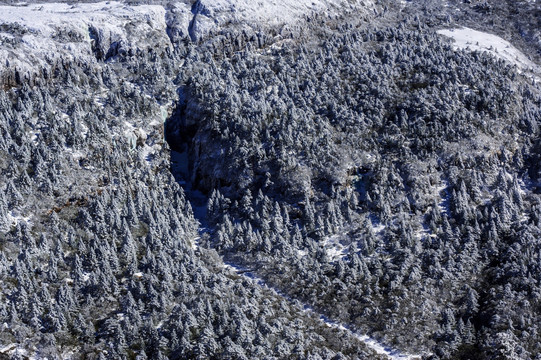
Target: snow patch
[194,243]
[164,114]
[522,190]
[334,249]
[404,3]
[422,232]
[34,134]
[14,350]
[386,351]
[147,153]
[378,228]
[84,133]
[466,38]
[444,196]
[302,253]
[99,101]
[8,348]
[14,218]
[4,35]
[76,154]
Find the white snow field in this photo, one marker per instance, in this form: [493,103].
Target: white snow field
[466,38]
[269,12]
[45,18]
[41,24]
[46,33]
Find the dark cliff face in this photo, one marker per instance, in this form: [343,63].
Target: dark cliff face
[357,167]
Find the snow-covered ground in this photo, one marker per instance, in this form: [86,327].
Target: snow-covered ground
[48,31]
[377,227]
[302,253]
[44,32]
[523,191]
[382,350]
[444,197]
[334,249]
[15,352]
[275,12]
[14,217]
[194,243]
[466,38]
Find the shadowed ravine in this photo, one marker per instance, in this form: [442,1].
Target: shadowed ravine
[181,170]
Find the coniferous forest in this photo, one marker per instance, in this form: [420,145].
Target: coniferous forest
[349,184]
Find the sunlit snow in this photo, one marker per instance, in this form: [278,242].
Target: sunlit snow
[273,11]
[466,38]
[444,196]
[14,218]
[334,249]
[41,23]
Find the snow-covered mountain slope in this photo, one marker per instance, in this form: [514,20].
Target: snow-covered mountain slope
[365,170]
[209,14]
[466,38]
[277,12]
[86,90]
[34,36]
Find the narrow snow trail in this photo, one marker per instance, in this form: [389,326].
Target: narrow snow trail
[373,344]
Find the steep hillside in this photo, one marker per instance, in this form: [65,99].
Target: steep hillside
[97,243]
[308,179]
